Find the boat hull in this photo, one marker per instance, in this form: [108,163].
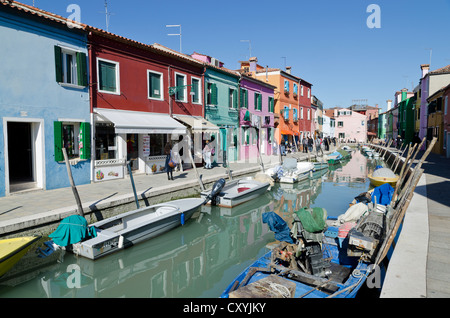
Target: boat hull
[377,181]
[231,196]
[12,250]
[111,239]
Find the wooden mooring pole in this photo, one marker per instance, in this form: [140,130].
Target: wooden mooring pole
[72,183]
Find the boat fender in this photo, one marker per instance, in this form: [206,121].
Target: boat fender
[120,245]
[182,218]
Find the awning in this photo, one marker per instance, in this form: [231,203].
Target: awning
[285,132]
[371,133]
[197,124]
[132,122]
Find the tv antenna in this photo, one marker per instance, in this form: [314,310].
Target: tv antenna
[249,47]
[107,15]
[179,34]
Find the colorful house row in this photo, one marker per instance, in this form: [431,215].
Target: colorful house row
[109,100]
[421,113]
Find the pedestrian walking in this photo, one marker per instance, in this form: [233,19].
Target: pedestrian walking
[305,145]
[207,155]
[169,169]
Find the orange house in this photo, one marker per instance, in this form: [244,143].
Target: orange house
[292,99]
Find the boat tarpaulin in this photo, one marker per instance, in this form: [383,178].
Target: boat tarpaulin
[383,194]
[278,226]
[313,220]
[71,230]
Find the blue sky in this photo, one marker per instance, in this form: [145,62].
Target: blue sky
[325,42]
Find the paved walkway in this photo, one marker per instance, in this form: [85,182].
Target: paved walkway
[437,173]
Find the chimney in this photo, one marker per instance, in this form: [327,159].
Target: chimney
[425,68]
[253,61]
[288,69]
[389,104]
[404,93]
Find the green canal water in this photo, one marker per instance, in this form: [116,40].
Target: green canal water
[197,260]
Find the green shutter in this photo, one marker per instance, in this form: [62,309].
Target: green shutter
[241,98]
[58,64]
[259,101]
[58,136]
[235,102]
[82,69]
[107,76]
[85,134]
[213,94]
[194,89]
[155,85]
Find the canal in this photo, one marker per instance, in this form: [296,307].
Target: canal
[197,260]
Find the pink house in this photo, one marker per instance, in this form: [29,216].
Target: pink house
[350,125]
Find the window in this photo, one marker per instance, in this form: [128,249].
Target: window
[309,92]
[309,116]
[155,85]
[340,124]
[294,115]
[108,76]
[232,98]
[70,67]
[286,86]
[105,142]
[258,101]
[271,105]
[75,137]
[445,105]
[341,135]
[295,89]
[195,90]
[180,83]
[301,112]
[362,122]
[244,98]
[286,112]
[211,96]
[301,90]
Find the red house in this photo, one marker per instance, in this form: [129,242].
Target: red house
[137,91]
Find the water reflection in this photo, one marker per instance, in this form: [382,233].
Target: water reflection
[200,258]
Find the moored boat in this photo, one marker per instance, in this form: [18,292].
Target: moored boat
[383,175]
[236,192]
[126,229]
[13,249]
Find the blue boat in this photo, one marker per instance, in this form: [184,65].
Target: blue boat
[319,257]
[350,275]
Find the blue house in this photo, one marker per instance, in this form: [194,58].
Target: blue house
[44,100]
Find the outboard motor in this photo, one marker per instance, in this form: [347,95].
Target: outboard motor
[216,189]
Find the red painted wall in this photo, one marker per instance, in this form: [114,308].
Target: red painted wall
[133,64]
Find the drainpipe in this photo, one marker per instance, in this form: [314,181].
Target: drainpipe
[204,95]
[170,98]
[91,98]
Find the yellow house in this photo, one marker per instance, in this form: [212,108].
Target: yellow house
[436,121]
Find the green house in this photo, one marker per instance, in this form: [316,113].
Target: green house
[406,119]
[222,109]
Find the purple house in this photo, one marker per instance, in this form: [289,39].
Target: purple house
[256,116]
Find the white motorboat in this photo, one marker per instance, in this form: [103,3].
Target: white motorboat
[126,229]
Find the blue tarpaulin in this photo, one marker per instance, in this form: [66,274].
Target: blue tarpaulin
[71,230]
[383,194]
[278,226]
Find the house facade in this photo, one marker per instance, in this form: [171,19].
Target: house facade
[436,127]
[44,102]
[329,123]
[137,91]
[256,117]
[221,100]
[430,82]
[350,126]
[406,119]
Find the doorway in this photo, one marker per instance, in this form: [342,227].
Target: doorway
[133,150]
[20,156]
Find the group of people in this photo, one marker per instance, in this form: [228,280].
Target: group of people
[307,144]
